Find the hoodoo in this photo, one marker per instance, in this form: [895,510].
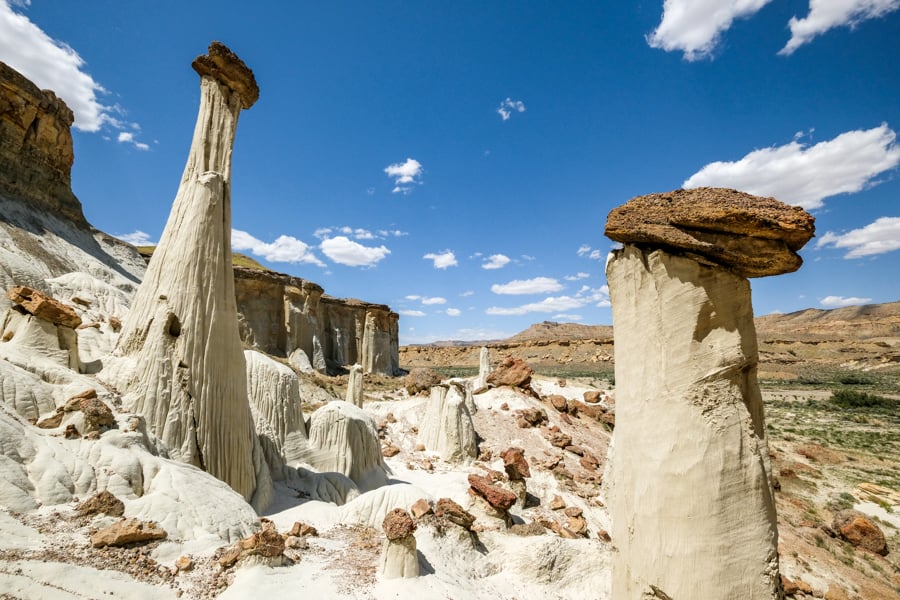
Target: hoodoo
[188,377]
[690,496]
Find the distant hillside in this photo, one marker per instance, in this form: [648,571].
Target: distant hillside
[849,323]
[550,330]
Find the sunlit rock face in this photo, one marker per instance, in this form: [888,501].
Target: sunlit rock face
[280,314]
[188,377]
[690,496]
[749,235]
[36,147]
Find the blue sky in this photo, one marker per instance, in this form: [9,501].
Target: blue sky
[457,160]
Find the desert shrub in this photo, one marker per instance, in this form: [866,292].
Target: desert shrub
[854,379]
[854,399]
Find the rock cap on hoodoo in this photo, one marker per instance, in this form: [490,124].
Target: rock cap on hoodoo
[224,66]
[750,235]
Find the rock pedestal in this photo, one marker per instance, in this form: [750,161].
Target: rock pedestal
[398,556]
[189,377]
[691,504]
[355,386]
[484,369]
[446,427]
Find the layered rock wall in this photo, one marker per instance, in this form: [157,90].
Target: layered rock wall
[280,314]
[36,146]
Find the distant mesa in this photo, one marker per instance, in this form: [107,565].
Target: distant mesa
[749,235]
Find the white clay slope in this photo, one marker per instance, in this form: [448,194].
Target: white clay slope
[274,392]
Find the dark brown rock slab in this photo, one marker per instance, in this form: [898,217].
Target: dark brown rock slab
[398,524]
[43,306]
[749,235]
[512,372]
[127,531]
[224,66]
[102,503]
[515,464]
[446,508]
[860,531]
[498,497]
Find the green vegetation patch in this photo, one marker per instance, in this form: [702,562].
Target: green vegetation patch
[237,259]
[854,399]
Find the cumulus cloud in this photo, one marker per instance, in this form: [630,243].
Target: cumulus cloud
[411,313]
[537,285]
[137,238]
[577,276]
[840,301]
[404,174]
[805,175]
[586,296]
[567,317]
[883,235]
[694,27]
[345,251]
[496,261]
[509,106]
[453,312]
[52,64]
[442,260]
[591,253]
[284,249]
[128,138]
[828,14]
[427,300]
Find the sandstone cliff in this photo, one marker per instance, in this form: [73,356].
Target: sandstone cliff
[281,313]
[36,146]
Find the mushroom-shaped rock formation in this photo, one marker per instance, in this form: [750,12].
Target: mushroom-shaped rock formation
[355,386]
[274,392]
[447,425]
[398,556]
[343,438]
[188,376]
[691,504]
[748,235]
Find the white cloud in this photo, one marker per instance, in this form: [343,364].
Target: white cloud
[128,138]
[442,260]
[509,106]
[583,249]
[496,261]
[52,64]
[695,26]
[345,251]
[411,313]
[285,248]
[840,301]
[828,14]
[883,235]
[567,317]
[805,175]
[591,253]
[586,296]
[467,293]
[404,174]
[538,285]
[427,300]
[547,305]
[137,238]
[577,276]
[454,312]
